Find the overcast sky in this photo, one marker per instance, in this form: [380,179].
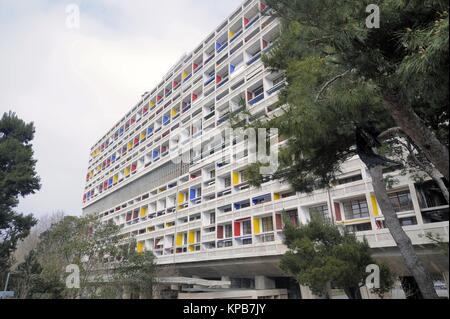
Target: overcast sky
[75,84]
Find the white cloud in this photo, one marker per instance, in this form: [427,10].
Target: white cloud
[76,84]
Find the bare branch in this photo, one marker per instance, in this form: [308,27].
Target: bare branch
[390,133]
[326,85]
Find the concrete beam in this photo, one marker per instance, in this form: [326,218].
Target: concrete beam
[192,281]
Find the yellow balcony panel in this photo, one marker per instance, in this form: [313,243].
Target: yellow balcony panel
[256,225]
[235,178]
[376,210]
[179,240]
[143,212]
[140,247]
[191,237]
[181,198]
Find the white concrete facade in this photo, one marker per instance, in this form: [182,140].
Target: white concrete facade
[204,210]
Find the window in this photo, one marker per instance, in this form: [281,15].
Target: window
[351,179]
[227,243]
[401,201]
[246,227]
[228,231]
[408,221]
[430,195]
[267,224]
[247,241]
[227,182]
[266,238]
[212,218]
[355,209]
[358,227]
[258,91]
[320,212]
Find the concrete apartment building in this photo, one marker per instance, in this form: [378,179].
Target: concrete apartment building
[200,214]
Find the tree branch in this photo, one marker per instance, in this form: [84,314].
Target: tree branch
[326,85]
[390,133]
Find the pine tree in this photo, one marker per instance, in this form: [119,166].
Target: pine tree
[406,58]
[347,85]
[319,255]
[17,178]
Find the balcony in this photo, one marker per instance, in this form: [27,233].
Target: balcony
[257,99]
[251,22]
[382,238]
[210,79]
[276,88]
[254,58]
[221,46]
[236,35]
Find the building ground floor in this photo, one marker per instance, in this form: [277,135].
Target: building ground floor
[262,278]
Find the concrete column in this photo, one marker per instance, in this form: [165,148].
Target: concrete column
[397,291]
[306,292]
[303,215]
[416,205]
[263,282]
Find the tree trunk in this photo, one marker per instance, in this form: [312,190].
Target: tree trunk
[415,128]
[428,168]
[404,244]
[438,180]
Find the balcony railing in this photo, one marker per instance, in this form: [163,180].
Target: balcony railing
[254,58]
[276,88]
[256,99]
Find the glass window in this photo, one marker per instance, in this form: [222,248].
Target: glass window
[228,231]
[319,212]
[227,181]
[267,224]
[246,227]
[430,195]
[401,201]
[350,179]
[358,227]
[355,209]
[408,221]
